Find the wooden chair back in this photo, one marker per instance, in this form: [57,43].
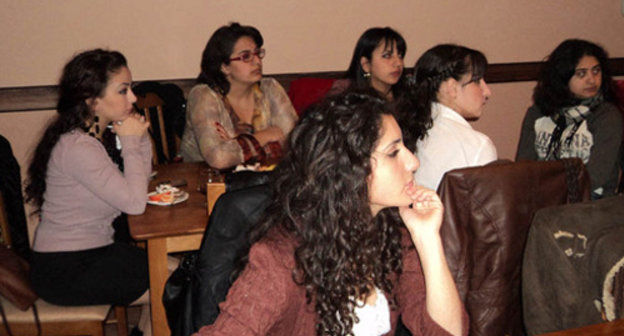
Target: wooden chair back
[5,233]
[152,107]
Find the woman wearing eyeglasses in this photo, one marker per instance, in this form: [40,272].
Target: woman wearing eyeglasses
[234,116]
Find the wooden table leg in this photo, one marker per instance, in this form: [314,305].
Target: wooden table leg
[157,255]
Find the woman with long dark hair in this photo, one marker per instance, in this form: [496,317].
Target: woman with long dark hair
[350,242]
[234,116]
[574,114]
[448,89]
[78,190]
[377,62]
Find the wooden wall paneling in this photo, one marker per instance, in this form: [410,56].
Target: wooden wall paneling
[38,98]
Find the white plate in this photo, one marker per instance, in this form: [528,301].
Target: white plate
[179,199]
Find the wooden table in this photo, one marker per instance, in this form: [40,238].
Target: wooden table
[603,329]
[169,229]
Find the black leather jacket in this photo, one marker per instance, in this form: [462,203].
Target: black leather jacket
[11,189]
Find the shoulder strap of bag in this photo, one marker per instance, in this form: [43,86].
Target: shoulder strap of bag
[5,321]
[15,285]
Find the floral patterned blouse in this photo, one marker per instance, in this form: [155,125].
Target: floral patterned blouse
[205,107]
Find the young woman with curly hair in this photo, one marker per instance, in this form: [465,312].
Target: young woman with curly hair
[574,114]
[350,242]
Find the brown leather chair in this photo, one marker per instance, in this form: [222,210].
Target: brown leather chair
[573,267]
[488,211]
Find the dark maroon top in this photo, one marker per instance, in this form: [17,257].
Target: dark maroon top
[265,300]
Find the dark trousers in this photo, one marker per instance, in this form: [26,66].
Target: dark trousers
[114,274]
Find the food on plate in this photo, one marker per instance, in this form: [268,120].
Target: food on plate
[267,168]
[254,167]
[165,193]
[166,197]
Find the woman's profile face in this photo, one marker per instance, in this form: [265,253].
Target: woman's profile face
[385,66]
[587,78]
[392,169]
[116,101]
[471,96]
[239,71]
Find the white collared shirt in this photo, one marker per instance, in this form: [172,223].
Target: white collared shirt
[450,144]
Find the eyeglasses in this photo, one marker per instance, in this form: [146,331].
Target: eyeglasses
[247,55]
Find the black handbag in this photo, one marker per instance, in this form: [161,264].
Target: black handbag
[177,296]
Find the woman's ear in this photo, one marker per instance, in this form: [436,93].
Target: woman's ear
[365,63]
[92,103]
[449,88]
[225,69]
[369,178]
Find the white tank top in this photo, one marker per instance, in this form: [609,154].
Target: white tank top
[374,319]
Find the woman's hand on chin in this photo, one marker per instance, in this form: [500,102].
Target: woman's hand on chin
[423,217]
[135,124]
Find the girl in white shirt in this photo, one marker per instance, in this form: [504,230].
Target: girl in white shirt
[448,87]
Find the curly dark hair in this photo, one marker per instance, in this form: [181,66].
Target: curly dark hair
[435,66]
[218,51]
[84,77]
[365,46]
[553,91]
[321,199]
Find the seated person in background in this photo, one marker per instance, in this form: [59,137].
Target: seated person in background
[78,190]
[234,116]
[377,63]
[350,242]
[574,114]
[449,89]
